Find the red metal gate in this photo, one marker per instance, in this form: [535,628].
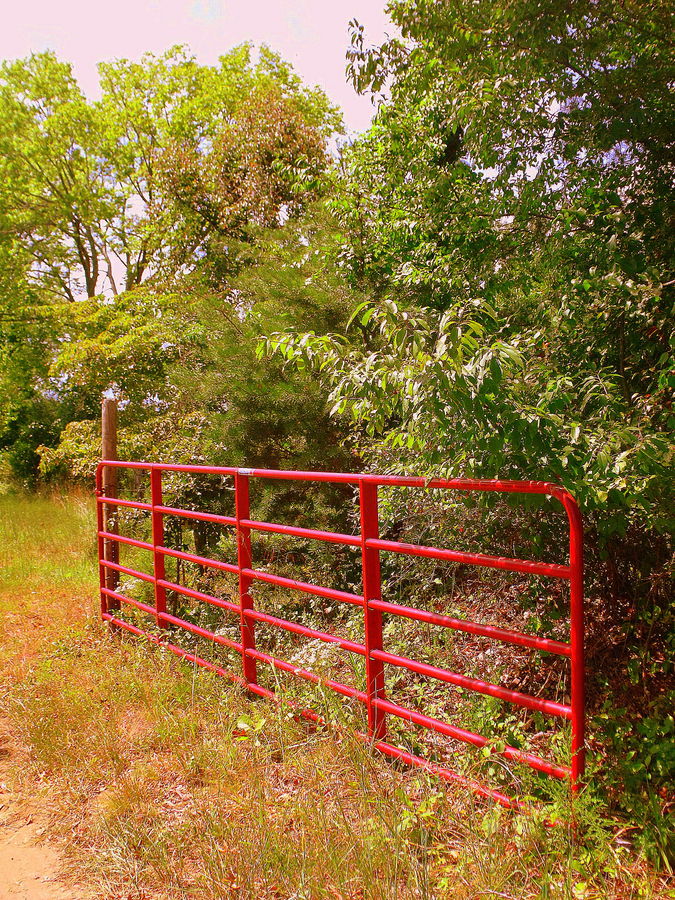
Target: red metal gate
[371,601]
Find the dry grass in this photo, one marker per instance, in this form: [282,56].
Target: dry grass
[164,782]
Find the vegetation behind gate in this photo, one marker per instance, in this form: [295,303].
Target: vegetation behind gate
[481,285]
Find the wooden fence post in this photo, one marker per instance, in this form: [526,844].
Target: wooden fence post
[110,484]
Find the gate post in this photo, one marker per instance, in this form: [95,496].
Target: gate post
[158,562]
[577,679]
[242,509]
[372,590]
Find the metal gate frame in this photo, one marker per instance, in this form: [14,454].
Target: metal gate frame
[371,601]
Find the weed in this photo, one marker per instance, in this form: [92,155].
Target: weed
[163,781]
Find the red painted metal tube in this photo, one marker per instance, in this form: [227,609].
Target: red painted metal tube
[475,559]
[126,540]
[478,740]
[194,514]
[288,475]
[157,521]
[143,576]
[125,464]
[374,606]
[315,589]
[263,692]
[201,632]
[121,598]
[198,595]
[200,560]
[171,467]
[328,536]
[457,484]
[184,654]
[550,707]
[388,749]
[577,640]
[116,501]
[489,631]
[336,686]
[471,484]
[372,622]
[100,543]
[411,759]
[293,627]
[244,564]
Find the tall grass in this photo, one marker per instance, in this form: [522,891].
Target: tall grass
[162,781]
[46,541]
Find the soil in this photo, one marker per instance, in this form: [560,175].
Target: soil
[30,869]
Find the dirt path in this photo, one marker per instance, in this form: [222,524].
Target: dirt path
[29,868]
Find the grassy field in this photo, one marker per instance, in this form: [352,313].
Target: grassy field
[160,781]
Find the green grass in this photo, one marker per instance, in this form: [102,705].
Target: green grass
[46,541]
[163,781]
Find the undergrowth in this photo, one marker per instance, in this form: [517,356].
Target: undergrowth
[163,781]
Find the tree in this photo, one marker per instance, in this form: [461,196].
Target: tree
[509,215]
[509,226]
[81,181]
[52,188]
[29,415]
[109,207]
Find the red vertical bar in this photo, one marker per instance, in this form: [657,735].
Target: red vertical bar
[577,642]
[157,541]
[100,541]
[242,507]
[372,590]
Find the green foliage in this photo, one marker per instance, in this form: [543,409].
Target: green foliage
[508,223]
[512,229]
[117,214]
[644,755]
[82,183]
[482,286]
[29,412]
[254,411]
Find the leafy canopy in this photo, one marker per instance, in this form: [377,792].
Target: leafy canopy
[509,222]
[119,213]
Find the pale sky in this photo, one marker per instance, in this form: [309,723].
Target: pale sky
[311,34]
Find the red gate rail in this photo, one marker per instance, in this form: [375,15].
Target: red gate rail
[374,607]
